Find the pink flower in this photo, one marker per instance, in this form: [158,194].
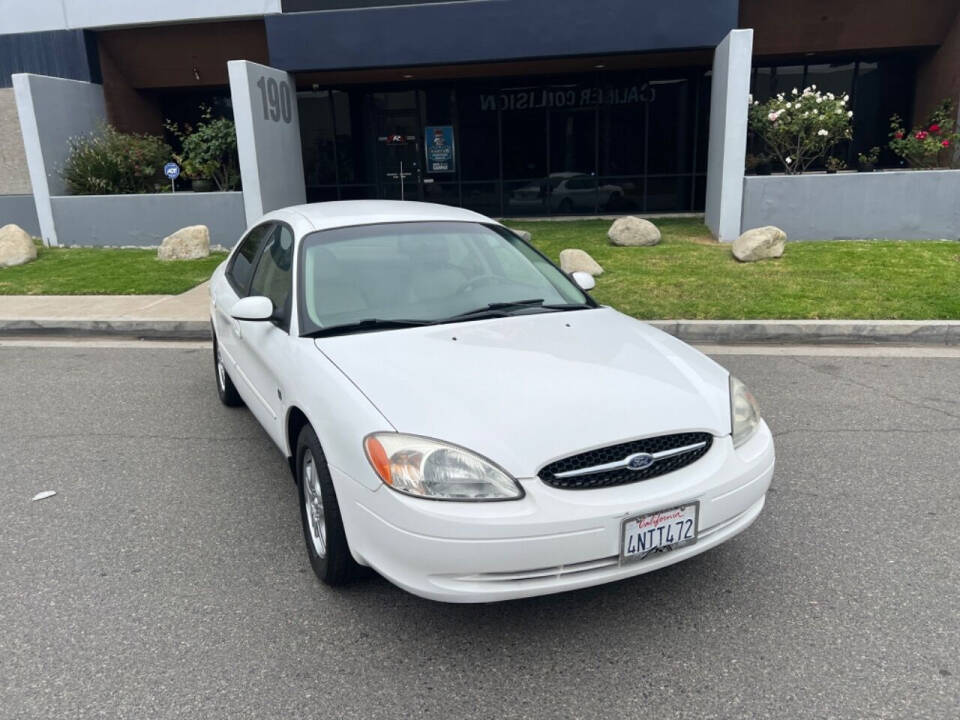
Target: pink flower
[921,135]
[934,128]
[898,134]
[946,143]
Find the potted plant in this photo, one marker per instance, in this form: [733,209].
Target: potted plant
[209,152]
[931,145]
[867,161]
[834,164]
[800,128]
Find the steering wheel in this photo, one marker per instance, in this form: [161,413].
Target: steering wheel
[479,281]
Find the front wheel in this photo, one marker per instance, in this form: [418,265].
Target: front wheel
[226,390]
[323,531]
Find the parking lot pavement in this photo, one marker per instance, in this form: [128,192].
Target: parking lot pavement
[167,577]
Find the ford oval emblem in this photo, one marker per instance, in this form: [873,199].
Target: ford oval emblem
[640,461]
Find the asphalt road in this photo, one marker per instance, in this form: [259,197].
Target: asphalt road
[167,577]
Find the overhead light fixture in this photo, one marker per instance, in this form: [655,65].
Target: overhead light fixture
[407,77]
[599,66]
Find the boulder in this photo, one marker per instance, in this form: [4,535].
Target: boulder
[759,243]
[16,246]
[573,260]
[521,233]
[633,231]
[187,243]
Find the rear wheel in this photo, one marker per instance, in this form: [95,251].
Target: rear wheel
[226,390]
[323,531]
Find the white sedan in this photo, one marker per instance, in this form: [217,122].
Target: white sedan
[462,417]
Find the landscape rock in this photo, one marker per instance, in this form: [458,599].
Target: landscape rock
[16,246]
[573,260]
[189,243]
[522,233]
[760,243]
[632,231]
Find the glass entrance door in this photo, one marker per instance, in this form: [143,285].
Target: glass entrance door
[573,162]
[398,152]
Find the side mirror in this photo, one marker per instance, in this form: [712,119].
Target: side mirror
[584,280]
[254,308]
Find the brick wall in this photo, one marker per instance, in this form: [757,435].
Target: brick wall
[14,178]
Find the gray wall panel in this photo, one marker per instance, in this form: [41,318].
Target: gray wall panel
[492,30]
[20,210]
[900,204]
[144,220]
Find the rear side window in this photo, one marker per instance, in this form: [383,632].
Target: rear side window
[241,266]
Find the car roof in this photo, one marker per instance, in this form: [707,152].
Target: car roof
[344,213]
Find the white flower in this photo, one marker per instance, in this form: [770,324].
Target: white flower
[822,132]
[839,111]
[788,160]
[819,99]
[788,106]
[756,102]
[849,113]
[794,91]
[813,87]
[774,115]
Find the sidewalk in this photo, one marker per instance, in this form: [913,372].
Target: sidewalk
[186,317]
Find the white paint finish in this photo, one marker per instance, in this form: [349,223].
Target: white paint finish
[594,378]
[899,204]
[523,391]
[730,92]
[271,163]
[36,15]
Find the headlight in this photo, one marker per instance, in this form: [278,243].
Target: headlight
[744,412]
[432,469]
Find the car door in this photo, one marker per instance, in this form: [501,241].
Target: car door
[235,285]
[266,350]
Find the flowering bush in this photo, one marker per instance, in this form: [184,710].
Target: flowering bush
[930,145]
[209,150]
[110,162]
[802,127]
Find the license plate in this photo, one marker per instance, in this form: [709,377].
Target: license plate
[659,531]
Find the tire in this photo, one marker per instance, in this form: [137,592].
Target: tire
[566,206]
[226,390]
[320,517]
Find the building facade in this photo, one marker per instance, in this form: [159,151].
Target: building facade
[509,107]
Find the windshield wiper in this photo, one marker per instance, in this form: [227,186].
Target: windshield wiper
[364,325]
[499,309]
[495,309]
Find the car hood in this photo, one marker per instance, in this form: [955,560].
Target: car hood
[528,389]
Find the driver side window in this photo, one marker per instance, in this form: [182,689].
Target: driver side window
[273,275]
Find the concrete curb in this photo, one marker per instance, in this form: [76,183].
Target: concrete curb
[716,332]
[814,332]
[158,329]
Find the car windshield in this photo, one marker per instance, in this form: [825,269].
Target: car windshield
[426,272]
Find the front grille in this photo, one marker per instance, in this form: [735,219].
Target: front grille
[617,453]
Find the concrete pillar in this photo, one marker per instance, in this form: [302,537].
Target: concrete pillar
[53,110]
[268,137]
[729,98]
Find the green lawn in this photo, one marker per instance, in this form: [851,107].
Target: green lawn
[688,275]
[98,271]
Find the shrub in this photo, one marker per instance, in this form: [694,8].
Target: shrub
[209,150]
[800,128]
[110,162]
[930,145]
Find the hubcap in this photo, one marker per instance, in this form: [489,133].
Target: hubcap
[313,502]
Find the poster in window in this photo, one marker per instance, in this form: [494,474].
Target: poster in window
[439,146]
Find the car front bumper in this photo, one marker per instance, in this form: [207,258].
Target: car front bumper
[552,540]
